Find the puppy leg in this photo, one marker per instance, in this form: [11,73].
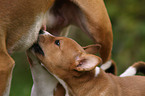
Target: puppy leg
[6,67]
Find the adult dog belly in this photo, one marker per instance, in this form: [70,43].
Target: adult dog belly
[25,35]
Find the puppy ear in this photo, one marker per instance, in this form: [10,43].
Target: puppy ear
[92,49]
[87,62]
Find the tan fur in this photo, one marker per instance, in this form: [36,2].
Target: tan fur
[101,34]
[70,63]
[90,16]
[93,49]
[60,91]
[21,20]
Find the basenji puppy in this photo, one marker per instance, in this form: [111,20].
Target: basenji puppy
[44,83]
[77,71]
[21,21]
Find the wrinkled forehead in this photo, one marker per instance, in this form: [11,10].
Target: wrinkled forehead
[70,43]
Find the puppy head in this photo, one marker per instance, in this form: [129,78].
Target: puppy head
[62,56]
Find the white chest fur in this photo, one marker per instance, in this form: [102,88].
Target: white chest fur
[30,37]
[44,82]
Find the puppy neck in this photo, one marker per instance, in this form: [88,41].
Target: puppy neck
[77,86]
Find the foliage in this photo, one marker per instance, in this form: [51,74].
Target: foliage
[128,23]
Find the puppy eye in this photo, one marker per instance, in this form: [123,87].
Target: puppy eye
[57,42]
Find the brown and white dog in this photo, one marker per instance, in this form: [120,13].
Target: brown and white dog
[21,21]
[77,71]
[45,83]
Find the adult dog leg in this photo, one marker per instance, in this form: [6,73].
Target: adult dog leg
[90,16]
[98,25]
[6,67]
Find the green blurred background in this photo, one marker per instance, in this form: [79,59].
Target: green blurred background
[128,23]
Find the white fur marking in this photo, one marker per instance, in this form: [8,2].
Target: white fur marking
[106,65]
[63,84]
[7,91]
[131,71]
[44,83]
[97,71]
[47,33]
